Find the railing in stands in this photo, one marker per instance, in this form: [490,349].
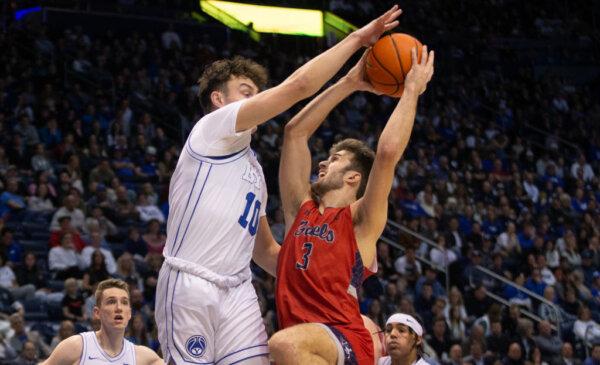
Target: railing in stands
[427,241]
[532,296]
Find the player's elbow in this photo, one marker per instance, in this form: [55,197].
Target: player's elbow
[388,152]
[294,129]
[298,86]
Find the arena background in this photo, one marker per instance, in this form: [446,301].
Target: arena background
[494,232]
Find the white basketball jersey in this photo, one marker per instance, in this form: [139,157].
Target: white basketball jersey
[217,195]
[93,354]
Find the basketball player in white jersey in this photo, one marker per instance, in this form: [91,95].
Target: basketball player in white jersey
[108,345]
[206,308]
[403,341]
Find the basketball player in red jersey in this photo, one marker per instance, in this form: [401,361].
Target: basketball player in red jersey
[332,226]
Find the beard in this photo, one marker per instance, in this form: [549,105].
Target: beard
[320,188]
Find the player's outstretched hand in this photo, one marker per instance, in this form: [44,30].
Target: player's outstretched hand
[357,77]
[370,33]
[421,72]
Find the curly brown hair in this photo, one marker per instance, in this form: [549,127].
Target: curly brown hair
[362,160]
[216,75]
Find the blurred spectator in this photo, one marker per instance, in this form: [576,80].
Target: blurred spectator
[11,202]
[455,357]
[550,345]
[40,202]
[8,281]
[70,210]
[135,244]
[514,355]
[63,260]
[97,221]
[65,227]
[566,356]
[95,244]
[73,302]
[127,272]
[10,248]
[477,301]
[497,340]
[95,273]
[408,266]
[585,328]
[28,355]
[22,336]
[154,238]
[147,211]
[103,173]
[66,330]
[439,339]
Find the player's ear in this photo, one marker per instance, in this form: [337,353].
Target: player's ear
[217,98]
[352,177]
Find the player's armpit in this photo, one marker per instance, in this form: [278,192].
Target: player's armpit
[67,352]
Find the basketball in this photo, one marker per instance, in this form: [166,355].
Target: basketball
[389,61]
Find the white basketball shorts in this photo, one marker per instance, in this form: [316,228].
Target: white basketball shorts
[202,323]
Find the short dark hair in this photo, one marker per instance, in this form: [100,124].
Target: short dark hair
[362,160]
[216,75]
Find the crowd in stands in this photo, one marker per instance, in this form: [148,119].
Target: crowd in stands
[85,167]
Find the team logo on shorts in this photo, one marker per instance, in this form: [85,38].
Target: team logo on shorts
[195,345]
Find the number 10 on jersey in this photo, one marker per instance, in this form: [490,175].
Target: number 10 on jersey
[252,225]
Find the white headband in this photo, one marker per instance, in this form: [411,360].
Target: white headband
[406,320]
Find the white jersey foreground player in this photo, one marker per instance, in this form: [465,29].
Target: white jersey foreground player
[403,341]
[108,345]
[206,308]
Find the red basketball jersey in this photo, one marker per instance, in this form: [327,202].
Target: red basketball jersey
[319,274]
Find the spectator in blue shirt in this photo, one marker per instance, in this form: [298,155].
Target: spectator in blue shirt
[11,248]
[535,283]
[11,203]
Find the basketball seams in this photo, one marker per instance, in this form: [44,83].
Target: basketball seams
[385,69]
[398,58]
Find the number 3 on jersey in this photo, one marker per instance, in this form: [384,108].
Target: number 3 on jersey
[253,223]
[307,248]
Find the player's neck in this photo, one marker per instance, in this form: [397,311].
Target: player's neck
[337,198]
[111,341]
[405,360]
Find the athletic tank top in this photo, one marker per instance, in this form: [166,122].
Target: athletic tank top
[93,354]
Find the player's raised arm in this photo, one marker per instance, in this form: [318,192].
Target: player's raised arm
[370,212]
[309,78]
[266,249]
[67,352]
[295,165]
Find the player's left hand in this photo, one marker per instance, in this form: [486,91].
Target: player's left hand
[370,33]
[420,72]
[357,77]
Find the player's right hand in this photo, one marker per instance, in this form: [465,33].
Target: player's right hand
[370,33]
[420,73]
[357,77]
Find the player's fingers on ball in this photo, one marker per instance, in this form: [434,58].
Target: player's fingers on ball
[424,55]
[430,59]
[413,55]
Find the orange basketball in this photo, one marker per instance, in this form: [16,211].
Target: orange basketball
[389,61]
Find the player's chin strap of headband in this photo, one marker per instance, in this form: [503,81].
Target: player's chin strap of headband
[197,270]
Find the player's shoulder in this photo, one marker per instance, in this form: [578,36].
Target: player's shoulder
[68,351]
[146,356]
